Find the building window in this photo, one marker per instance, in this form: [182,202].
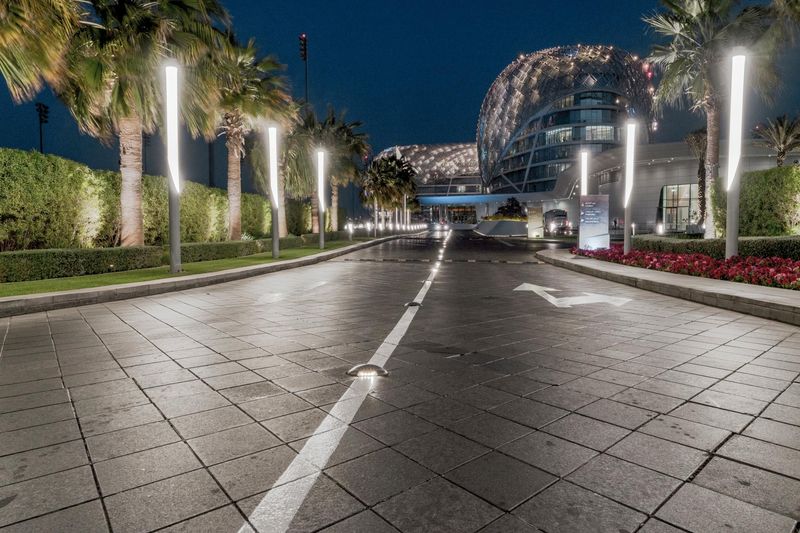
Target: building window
[679,207]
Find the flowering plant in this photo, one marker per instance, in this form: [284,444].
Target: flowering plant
[768,271]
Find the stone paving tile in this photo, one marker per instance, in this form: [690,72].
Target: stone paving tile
[232,443]
[274,406]
[135,439]
[549,453]
[730,402]
[140,468]
[361,476]
[529,412]
[84,518]
[205,422]
[630,484]
[586,431]
[297,425]
[774,432]
[500,479]
[490,430]
[34,463]
[568,507]
[764,455]
[395,427]
[437,505]
[661,455]
[441,450]
[685,432]
[41,495]
[325,504]
[759,487]
[617,413]
[164,502]
[508,524]
[38,436]
[227,518]
[107,421]
[711,416]
[698,509]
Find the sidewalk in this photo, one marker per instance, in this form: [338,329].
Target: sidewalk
[35,303]
[765,302]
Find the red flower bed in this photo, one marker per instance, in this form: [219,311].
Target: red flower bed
[769,271]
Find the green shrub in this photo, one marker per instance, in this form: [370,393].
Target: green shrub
[51,202]
[28,265]
[786,246]
[298,216]
[208,251]
[768,202]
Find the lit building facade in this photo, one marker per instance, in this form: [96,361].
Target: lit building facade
[548,106]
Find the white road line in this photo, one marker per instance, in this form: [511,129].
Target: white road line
[275,512]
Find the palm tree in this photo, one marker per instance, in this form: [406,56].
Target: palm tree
[34,38]
[347,147]
[781,136]
[251,92]
[701,35]
[697,145]
[385,182]
[114,79]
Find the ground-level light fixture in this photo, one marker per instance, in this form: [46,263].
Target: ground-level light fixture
[272,148]
[367,370]
[321,196]
[630,147]
[738,62]
[173,163]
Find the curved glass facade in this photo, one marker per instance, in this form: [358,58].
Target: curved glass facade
[546,107]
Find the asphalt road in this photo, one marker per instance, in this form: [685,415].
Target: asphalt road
[519,397]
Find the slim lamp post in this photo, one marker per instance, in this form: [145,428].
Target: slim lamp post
[584,172]
[734,155]
[272,141]
[173,162]
[321,196]
[629,161]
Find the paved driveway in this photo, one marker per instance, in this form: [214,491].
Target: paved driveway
[227,408]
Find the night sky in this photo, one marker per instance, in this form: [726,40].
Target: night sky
[414,71]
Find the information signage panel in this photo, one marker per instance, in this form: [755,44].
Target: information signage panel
[593,229]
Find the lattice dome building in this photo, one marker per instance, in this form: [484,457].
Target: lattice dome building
[547,106]
[442,168]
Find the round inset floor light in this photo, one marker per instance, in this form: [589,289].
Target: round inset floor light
[367,370]
[413,304]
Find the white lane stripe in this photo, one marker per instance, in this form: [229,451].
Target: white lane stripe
[275,512]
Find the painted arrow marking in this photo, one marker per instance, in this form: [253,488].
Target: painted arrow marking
[587,298]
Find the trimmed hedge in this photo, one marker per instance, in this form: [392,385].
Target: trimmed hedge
[209,251]
[50,202]
[769,202]
[787,246]
[26,265]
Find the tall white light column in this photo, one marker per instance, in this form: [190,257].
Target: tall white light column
[584,172]
[173,162]
[321,196]
[630,141]
[272,149]
[734,154]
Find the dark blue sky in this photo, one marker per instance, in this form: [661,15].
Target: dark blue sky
[414,71]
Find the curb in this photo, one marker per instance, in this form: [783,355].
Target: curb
[36,303]
[771,303]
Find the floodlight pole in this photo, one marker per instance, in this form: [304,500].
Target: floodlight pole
[321,196]
[734,155]
[272,141]
[173,162]
[630,141]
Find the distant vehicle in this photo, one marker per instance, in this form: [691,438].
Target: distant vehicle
[556,222]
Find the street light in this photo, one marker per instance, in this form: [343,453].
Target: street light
[630,139]
[734,154]
[321,196]
[272,141]
[584,172]
[173,162]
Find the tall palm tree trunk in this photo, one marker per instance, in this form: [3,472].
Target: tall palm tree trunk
[334,218]
[283,229]
[712,164]
[130,166]
[314,214]
[234,191]
[375,212]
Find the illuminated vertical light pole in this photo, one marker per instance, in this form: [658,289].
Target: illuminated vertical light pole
[734,154]
[630,139]
[173,162]
[272,141]
[321,196]
[405,213]
[584,172]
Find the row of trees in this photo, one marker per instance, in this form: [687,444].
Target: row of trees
[104,59]
[694,63]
